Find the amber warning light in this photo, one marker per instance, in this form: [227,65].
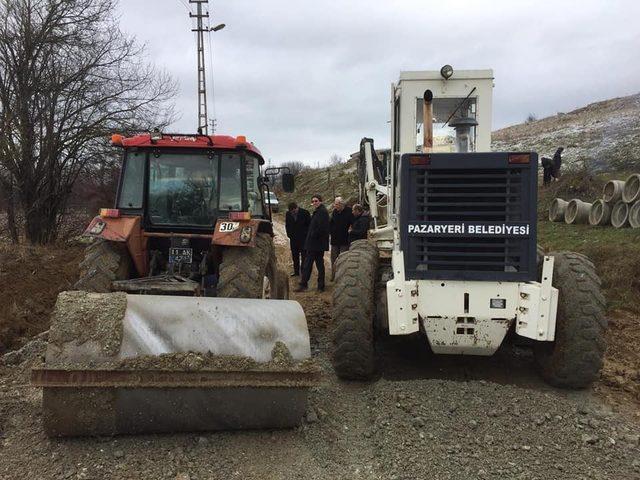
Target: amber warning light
[420,159]
[109,213]
[239,216]
[519,158]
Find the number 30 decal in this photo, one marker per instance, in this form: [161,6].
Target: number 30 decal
[227,227]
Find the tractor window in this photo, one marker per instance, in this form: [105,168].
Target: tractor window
[253,186]
[131,192]
[182,189]
[230,182]
[459,133]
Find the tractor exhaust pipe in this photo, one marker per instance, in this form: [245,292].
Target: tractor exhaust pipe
[427,122]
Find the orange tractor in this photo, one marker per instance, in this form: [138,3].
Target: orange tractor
[188,255]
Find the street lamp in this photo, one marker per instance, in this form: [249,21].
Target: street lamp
[217,28]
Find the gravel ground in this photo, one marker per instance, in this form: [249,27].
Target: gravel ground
[424,417]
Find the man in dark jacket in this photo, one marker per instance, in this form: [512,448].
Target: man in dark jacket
[360,226]
[316,244]
[297,225]
[341,219]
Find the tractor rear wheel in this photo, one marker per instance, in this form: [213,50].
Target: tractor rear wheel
[574,358]
[353,355]
[104,262]
[245,271]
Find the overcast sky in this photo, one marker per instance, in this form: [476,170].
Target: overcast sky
[305,79]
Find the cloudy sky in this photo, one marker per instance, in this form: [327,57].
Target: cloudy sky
[306,79]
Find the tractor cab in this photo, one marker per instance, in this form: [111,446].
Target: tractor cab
[188,182]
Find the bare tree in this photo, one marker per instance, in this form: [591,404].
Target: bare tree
[531,118]
[335,159]
[68,79]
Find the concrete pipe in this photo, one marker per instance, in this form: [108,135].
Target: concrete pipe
[600,213]
[631,191]
[620,215]
[634,215]
[577,212]
[612,191]
[557,209]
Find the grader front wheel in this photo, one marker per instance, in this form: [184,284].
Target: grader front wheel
[353,312]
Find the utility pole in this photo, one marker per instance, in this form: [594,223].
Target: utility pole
[202,83]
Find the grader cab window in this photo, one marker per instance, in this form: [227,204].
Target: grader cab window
[458,134]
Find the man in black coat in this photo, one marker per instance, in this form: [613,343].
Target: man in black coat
[297,225]
[361,223]
[341,219]
[316,244]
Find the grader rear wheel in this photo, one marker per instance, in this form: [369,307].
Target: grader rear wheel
[574,358]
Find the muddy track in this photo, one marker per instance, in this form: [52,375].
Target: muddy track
[422,417]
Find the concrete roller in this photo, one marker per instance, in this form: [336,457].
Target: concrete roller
[612,191]
[119,363]
[557,209]
[600,213]
[577,212]
[631,191]
[620,215]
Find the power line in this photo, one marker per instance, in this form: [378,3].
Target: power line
[185,5]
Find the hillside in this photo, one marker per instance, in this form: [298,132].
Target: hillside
[605,135]
[336,180]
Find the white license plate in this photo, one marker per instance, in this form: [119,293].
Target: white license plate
[180,255]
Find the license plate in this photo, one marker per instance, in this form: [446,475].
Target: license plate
[180,255]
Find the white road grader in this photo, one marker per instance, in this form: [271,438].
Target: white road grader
[453,252]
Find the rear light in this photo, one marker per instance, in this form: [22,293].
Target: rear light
[519,158]
[109,213]
[420,159]
[239,216]
[117,139]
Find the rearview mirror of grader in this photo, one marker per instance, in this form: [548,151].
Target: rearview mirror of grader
[453,254]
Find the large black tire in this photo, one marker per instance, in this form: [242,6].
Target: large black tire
[104,262]
[243,269]
[353,355]
[574,359]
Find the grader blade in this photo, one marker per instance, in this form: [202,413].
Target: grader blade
[119,363]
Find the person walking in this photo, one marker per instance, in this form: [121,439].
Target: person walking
[297,225]
[341,219]
[316,244]
[361,223]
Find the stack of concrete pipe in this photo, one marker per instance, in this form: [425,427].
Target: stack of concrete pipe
[619,206]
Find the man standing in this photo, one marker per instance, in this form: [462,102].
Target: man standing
[361,223]
[316,244]
[341,219]
[297,224]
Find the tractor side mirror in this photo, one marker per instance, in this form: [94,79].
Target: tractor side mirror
[288,182]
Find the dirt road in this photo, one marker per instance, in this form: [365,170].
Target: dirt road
[424,417]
